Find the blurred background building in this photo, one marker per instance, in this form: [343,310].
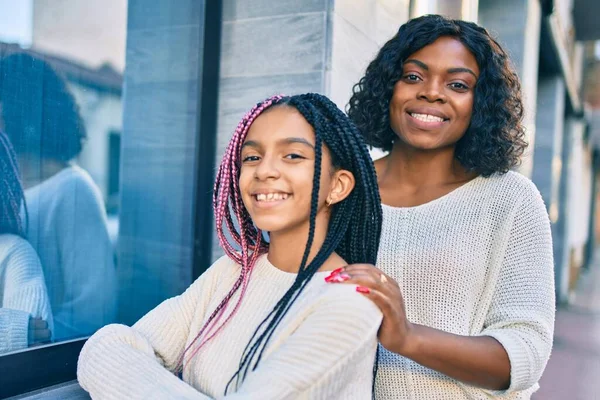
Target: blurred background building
[162,85]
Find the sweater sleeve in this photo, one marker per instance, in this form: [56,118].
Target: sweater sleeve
[24,296]
[138,362]
[334,339]
[521,316]
[121,362]
[14,325]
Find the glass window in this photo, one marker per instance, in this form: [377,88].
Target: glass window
[60,118]
[98,191]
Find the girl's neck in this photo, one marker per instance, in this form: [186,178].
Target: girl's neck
[287,248]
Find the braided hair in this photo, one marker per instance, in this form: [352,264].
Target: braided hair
[11,190]
[361,210]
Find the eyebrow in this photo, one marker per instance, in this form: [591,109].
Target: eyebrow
[289,140]
[450,71]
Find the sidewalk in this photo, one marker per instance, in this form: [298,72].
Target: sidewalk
[573,372]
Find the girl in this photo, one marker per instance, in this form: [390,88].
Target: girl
[262,321]
[467,290]
[25,314]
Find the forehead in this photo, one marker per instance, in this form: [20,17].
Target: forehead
[279,123]
[446,52]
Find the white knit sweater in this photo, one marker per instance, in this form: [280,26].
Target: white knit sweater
[477,261]
[323,349]
[22,292]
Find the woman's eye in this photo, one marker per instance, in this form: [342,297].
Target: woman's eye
[459,86]
[250,158]
[412,78]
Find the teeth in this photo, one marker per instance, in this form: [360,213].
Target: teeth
[427,117]
[271,196]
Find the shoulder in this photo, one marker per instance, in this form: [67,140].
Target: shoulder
[345,302]
[513,183]
[223,269]
[20,261]
[71,193]
[512,189]
[16,248]
[77,179]
[223,266]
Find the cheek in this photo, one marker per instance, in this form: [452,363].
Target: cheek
[243,182]
[466,108]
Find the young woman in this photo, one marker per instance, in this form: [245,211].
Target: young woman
[467,289]
[25,314]
[262,322]
[67,220]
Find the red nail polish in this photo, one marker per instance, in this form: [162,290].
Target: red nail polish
[337,270]
[363,289]
[337,278]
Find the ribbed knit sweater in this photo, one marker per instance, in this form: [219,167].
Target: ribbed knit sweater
[324,348]
[22,292]
[477,261]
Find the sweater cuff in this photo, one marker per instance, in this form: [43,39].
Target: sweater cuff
[520,361]
[14,329]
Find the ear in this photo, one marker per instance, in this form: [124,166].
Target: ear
[342,185]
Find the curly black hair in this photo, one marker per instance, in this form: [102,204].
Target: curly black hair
[39,112]
[494,140]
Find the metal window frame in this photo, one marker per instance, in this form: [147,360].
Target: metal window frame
[45,366]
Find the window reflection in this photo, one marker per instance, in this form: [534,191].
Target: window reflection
[25,312]
[64,213]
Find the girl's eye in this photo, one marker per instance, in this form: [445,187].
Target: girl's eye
[459,86]
[412,78]
[293,156]
[250,158]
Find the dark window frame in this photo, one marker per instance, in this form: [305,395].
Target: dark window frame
[38,368]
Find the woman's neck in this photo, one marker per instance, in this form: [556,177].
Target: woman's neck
[35,170]
[287,248]
[409,176]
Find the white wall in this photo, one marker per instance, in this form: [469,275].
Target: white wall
[102,114]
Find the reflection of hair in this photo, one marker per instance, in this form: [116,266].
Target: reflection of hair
[494,140]
[39,112]
[361,210]
[11,191]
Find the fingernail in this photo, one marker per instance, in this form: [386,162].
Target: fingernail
[363,289]
[337,271]
[337,278]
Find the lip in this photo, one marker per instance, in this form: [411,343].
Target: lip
[427,110]
[426,125]
[267,191]
[268,204]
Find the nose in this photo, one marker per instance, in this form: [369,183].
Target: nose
[432,92]
[267,169]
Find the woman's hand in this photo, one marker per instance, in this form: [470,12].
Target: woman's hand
[396,331]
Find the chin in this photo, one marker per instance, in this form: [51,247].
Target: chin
[424,143]
[269,224]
